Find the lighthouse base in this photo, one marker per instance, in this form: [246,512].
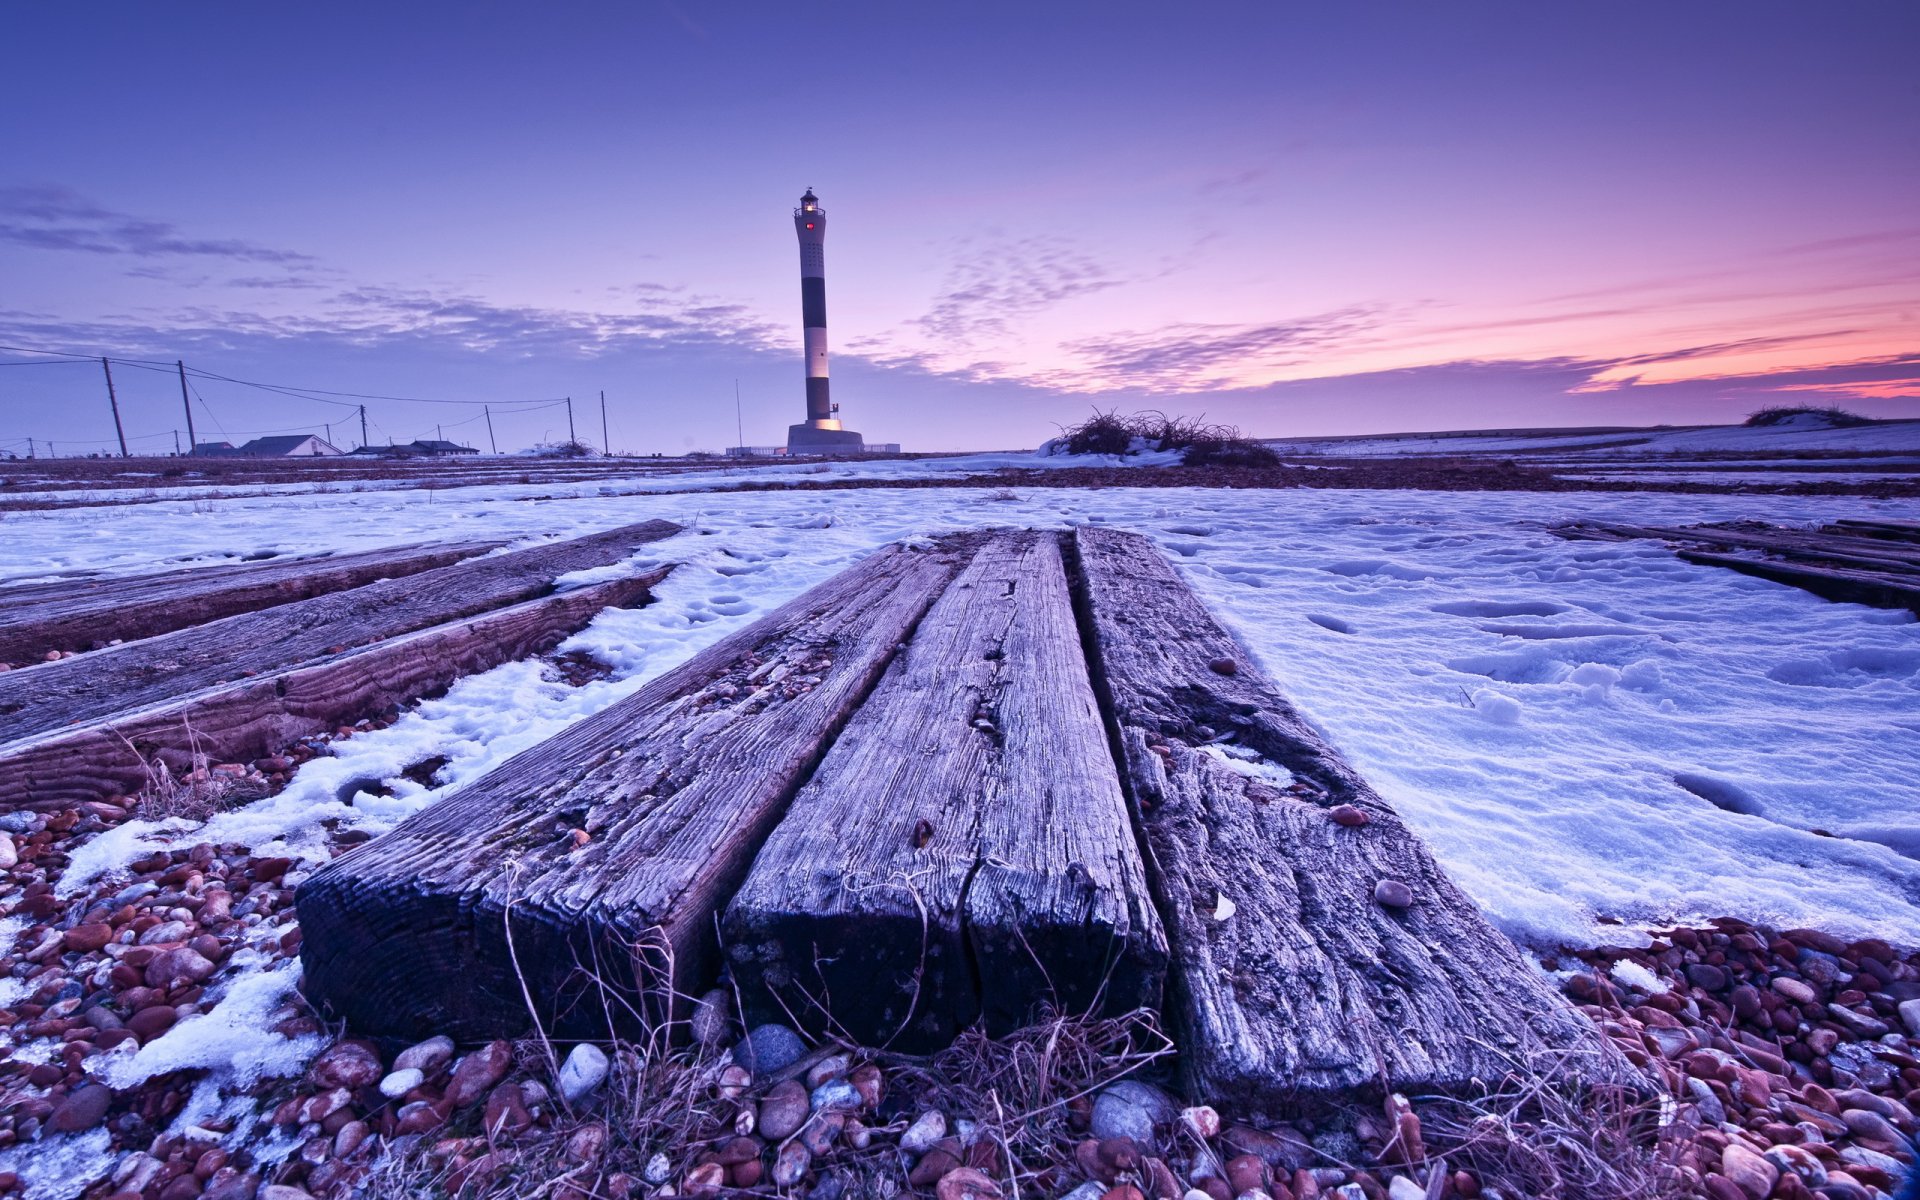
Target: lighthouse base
[811,439]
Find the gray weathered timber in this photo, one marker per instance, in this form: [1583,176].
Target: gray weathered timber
[964,851]
[142,674]
[262,715]
[587,872]
[1845,561]
[80,614]
[1291,983]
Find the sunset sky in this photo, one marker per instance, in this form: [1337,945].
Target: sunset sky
[1300,218]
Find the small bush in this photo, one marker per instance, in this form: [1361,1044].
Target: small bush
[1839,418]
[1205,445]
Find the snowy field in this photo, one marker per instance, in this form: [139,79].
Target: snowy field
[1586,733]
[1795,436]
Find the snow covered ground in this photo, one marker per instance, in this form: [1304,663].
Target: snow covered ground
[1583,731]
[1881,437]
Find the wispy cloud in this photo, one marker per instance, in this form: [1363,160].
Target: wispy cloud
[995,285]
[1193,357]
[57,218]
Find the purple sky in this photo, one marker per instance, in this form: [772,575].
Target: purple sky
[1303,219]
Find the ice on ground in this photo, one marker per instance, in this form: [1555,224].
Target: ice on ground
[1244,760]
[233,1039]
[1530,705]
[1633,975]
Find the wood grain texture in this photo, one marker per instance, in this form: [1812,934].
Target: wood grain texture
[80,614]
[1300,987]
[964,852]
[1857,562]
[449,923]
[143,674]
[238,722]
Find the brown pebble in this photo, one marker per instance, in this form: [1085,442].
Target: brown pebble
[1224,666]
[1348,815]
[965,1183]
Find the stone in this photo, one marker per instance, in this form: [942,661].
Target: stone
[583,1072]
[1349,816]
[150,1023]
[768,1048]
[1909,1011]
[1793,989]
[1714,1112]
[1131,1109]
[1869,1124]
[833,1066]
[1403,1188]
[506,1111]
[791,1165]
[85,939]
[349,1064]
[426,1057]
[819,1133]
[1861,1024]
[1796,1161]
[400,1083]
[1202,1121]
[965,1183]
[708,1022]
[1247,1173]
[83,1108]
[928,1128]
[1281,1149]
[783,1109]
[870,1083]
[1391,893]
[1706,977]
[1748,1171]
[835,1094]
[475,1075]
[934,1165]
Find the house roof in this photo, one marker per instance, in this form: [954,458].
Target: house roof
[284,444]
[434,444]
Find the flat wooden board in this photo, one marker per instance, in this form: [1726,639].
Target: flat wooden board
[964,851]
[81,614]
[154,671]
[252,718]
[579,884]
[1292,983]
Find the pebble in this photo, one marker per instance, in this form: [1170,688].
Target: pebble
[583,1072]
[1131,1109]
[835,1094]
[791,1165]
[783,1109]
[708,1023]
[426,1057]
[400,1083]
[1219,666]
[83,1108]
[1748,1171]
[965,1183]
[348,1064]
[929,1127]
[1909,1011]
[769,1048]
[1348,815]
[475,1075]
[1403,1188]
[1391,893]
[1793,989]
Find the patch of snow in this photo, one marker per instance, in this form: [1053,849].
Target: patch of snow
[1635,976]
[1243,760]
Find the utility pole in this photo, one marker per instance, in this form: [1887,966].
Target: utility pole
[113,401]
[488,409]
[440,432]
[176,443]
[606,444]
[186,404]
[572,438]
[329,428]
[739,426]
[363,425]
[30,448]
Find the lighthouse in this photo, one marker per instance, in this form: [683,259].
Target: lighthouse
[821,432]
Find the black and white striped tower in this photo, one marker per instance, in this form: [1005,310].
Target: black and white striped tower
[821,433]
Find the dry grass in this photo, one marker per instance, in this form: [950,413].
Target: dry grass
[1545,1133]
[195,794]
[1781,413]
[1205,444]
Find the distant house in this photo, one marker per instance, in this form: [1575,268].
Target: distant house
[215,450]
[294,445]
[429,448]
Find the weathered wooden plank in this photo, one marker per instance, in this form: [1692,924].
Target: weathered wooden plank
[81,614]
[1879,589]
[1292,982]
[584,875]
[262,715]
[1858,570]
[964,851]
[1884,528]
[154,671]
